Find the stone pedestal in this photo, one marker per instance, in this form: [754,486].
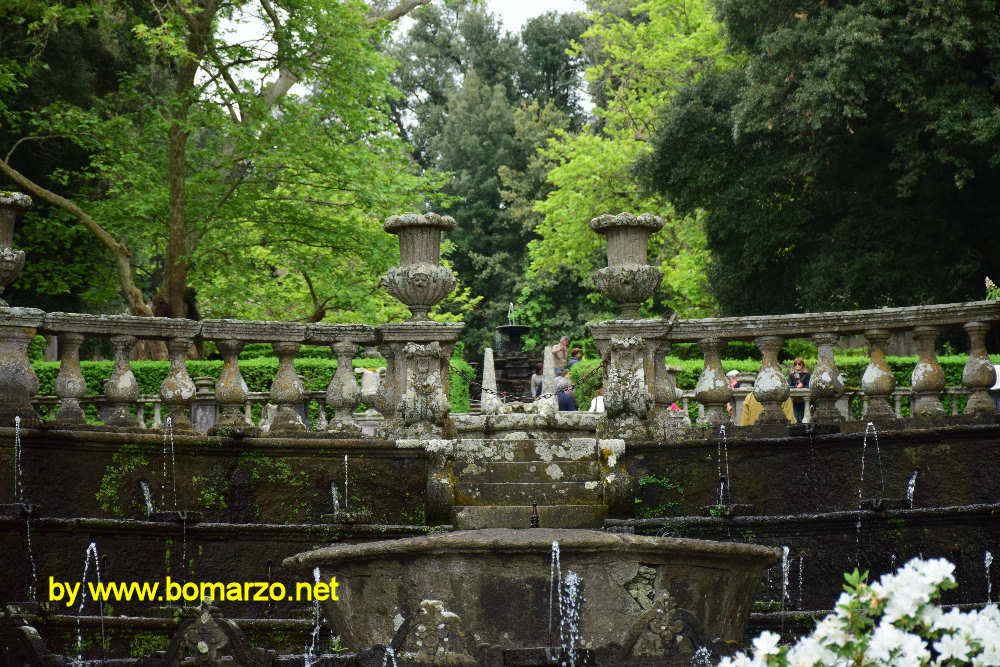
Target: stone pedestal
[178,389]
[18,382]
[415,392]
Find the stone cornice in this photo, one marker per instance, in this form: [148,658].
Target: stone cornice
[801,324]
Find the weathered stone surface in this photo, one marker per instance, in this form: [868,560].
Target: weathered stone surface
[70,384]
[877,382]
[628,279]
[712,390]
[627,401]
[231,389]
[12,204]
[178,389]
[825,384]
[122,389]
[160,328]
[343,392]
[978,374]
[477,517]
[419,281]
[498,582]
[771,386]
[287,390]
[927,380]
[18,382]
[253,331]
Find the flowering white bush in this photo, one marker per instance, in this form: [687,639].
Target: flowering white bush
[894,621]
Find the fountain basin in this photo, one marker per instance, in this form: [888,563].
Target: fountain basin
[498,582]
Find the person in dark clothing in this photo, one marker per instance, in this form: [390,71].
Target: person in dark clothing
[799,379]
[564,392]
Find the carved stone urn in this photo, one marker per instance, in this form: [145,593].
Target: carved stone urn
[419,281]
[628,280]
[12,204]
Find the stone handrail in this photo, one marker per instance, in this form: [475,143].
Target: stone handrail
[637,348]
[399,343]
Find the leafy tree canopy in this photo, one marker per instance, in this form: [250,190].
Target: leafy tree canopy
[853,160]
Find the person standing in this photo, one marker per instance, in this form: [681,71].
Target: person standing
[597,403]
[575,356]
[799,379]
[560,353]
[536,381]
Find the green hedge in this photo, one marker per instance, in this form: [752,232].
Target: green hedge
[258,373]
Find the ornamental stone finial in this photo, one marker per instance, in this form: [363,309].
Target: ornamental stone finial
[12,205]
[419,281]
[628,279]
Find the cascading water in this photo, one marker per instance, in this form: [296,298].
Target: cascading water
[18,469]
[555,576]
[147,496]
[33,590]
[334,498]
[802,564]
[785,567]
[345,483]
[171,482]
[987,564]
[311,656]
[702,657]
[722,456]
[911,487]
[90,553]
[390,657]
[569,618]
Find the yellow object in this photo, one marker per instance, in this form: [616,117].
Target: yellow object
[752,409]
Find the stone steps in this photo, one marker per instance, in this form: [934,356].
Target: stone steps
[524,493]
[571,449]
[519,516]
[528,471]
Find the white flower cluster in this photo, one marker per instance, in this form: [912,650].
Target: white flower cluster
[894,621]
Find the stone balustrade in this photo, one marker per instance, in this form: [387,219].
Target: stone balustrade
[879,396]
[413,396]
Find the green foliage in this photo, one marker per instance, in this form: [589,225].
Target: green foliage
[586,379]
[662,485]
[126,460]
[272,201]
[847,122]
[639,56]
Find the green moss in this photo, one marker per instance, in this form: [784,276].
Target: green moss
[125,461]
[146,643]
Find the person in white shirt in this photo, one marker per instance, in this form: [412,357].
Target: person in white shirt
[597,403]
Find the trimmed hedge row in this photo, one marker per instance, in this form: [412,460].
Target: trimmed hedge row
[258,373]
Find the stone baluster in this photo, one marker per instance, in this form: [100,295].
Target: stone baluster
[771,387]
[178,389]
[664,392]
[343,394]
[231,388]
[825,384]
[927,381]
[70,385]
[386,398]
[121,389]
[18,382]
[712,390]
[877,382]
[978,375]
[287,390]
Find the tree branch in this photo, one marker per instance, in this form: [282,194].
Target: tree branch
[123,256]
[397,12]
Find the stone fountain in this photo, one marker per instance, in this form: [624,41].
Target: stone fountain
[643,597]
